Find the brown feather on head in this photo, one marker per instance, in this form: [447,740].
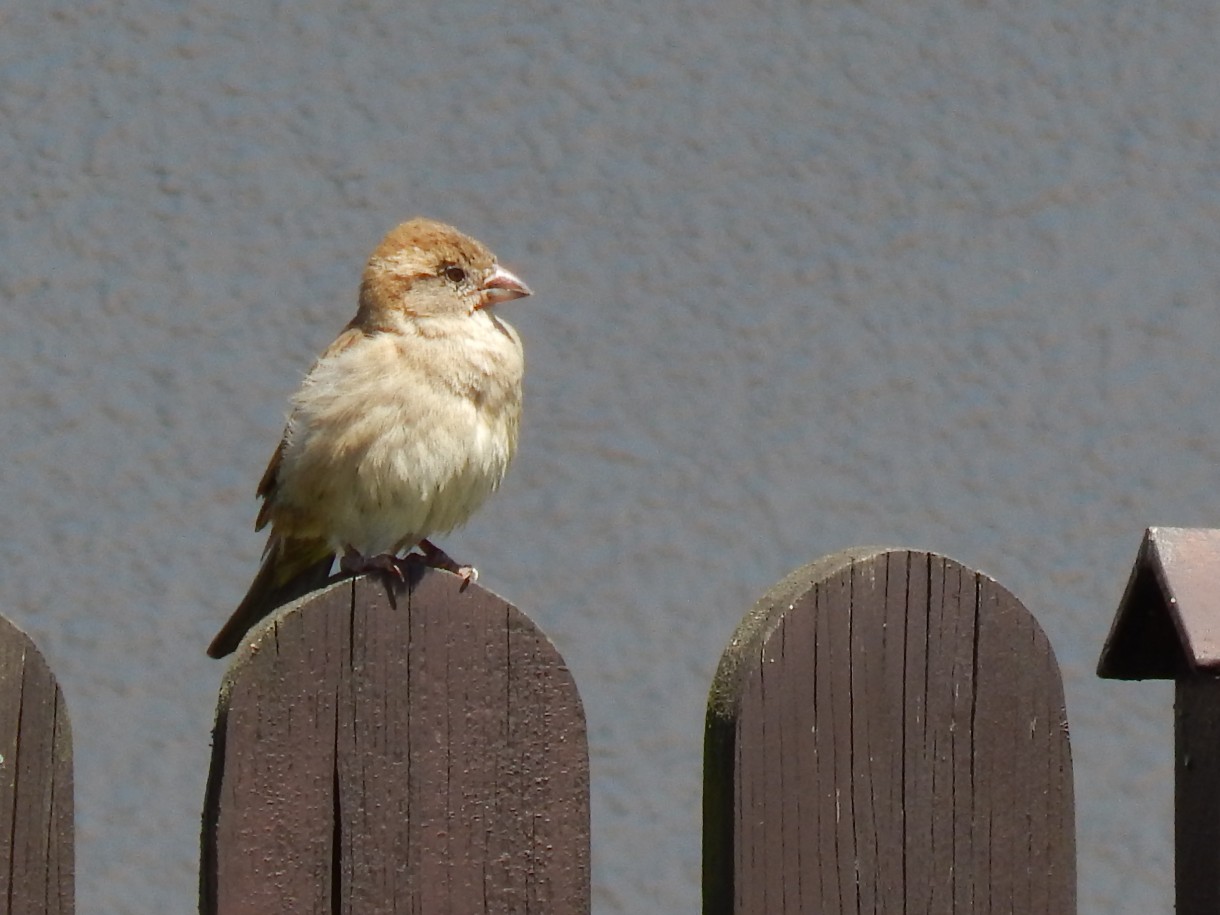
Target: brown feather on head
[445,271]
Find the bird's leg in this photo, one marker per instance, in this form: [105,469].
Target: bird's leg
[355,563]
[439,559]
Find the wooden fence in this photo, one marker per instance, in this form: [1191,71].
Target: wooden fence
[885,733]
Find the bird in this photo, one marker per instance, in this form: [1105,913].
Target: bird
[402,428]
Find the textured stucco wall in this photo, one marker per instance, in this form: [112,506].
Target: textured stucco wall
[809,275]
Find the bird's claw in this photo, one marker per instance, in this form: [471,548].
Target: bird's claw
[437,558]
[354,563]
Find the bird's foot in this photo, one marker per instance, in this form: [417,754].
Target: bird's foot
[355,563]
[439,559]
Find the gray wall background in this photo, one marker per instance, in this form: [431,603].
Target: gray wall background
[810,274]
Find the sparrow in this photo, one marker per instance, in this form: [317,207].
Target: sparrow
[402,428]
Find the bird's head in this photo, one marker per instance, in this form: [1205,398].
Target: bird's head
[425,269]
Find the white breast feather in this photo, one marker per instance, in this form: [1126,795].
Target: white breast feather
[372,464]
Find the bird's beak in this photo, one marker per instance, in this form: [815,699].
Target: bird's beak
[502,286]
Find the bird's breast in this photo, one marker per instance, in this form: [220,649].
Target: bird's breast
[394,440]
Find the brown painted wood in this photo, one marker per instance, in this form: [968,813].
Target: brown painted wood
[36,828]
[422,751]
[1168,627]
[1168,622]
[1197,796]
[886,733]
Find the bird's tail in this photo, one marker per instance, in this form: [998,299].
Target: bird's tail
[290,569]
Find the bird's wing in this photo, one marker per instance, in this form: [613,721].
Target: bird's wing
[269,483]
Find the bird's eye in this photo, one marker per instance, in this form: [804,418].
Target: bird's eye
[455,274]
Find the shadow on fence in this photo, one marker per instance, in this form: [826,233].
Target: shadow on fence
[885,732]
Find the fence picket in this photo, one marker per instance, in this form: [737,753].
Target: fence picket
[418,749]
[36,829]
[890,725]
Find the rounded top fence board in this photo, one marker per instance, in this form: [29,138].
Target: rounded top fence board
[37,857]
[418,746]
[887,733]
